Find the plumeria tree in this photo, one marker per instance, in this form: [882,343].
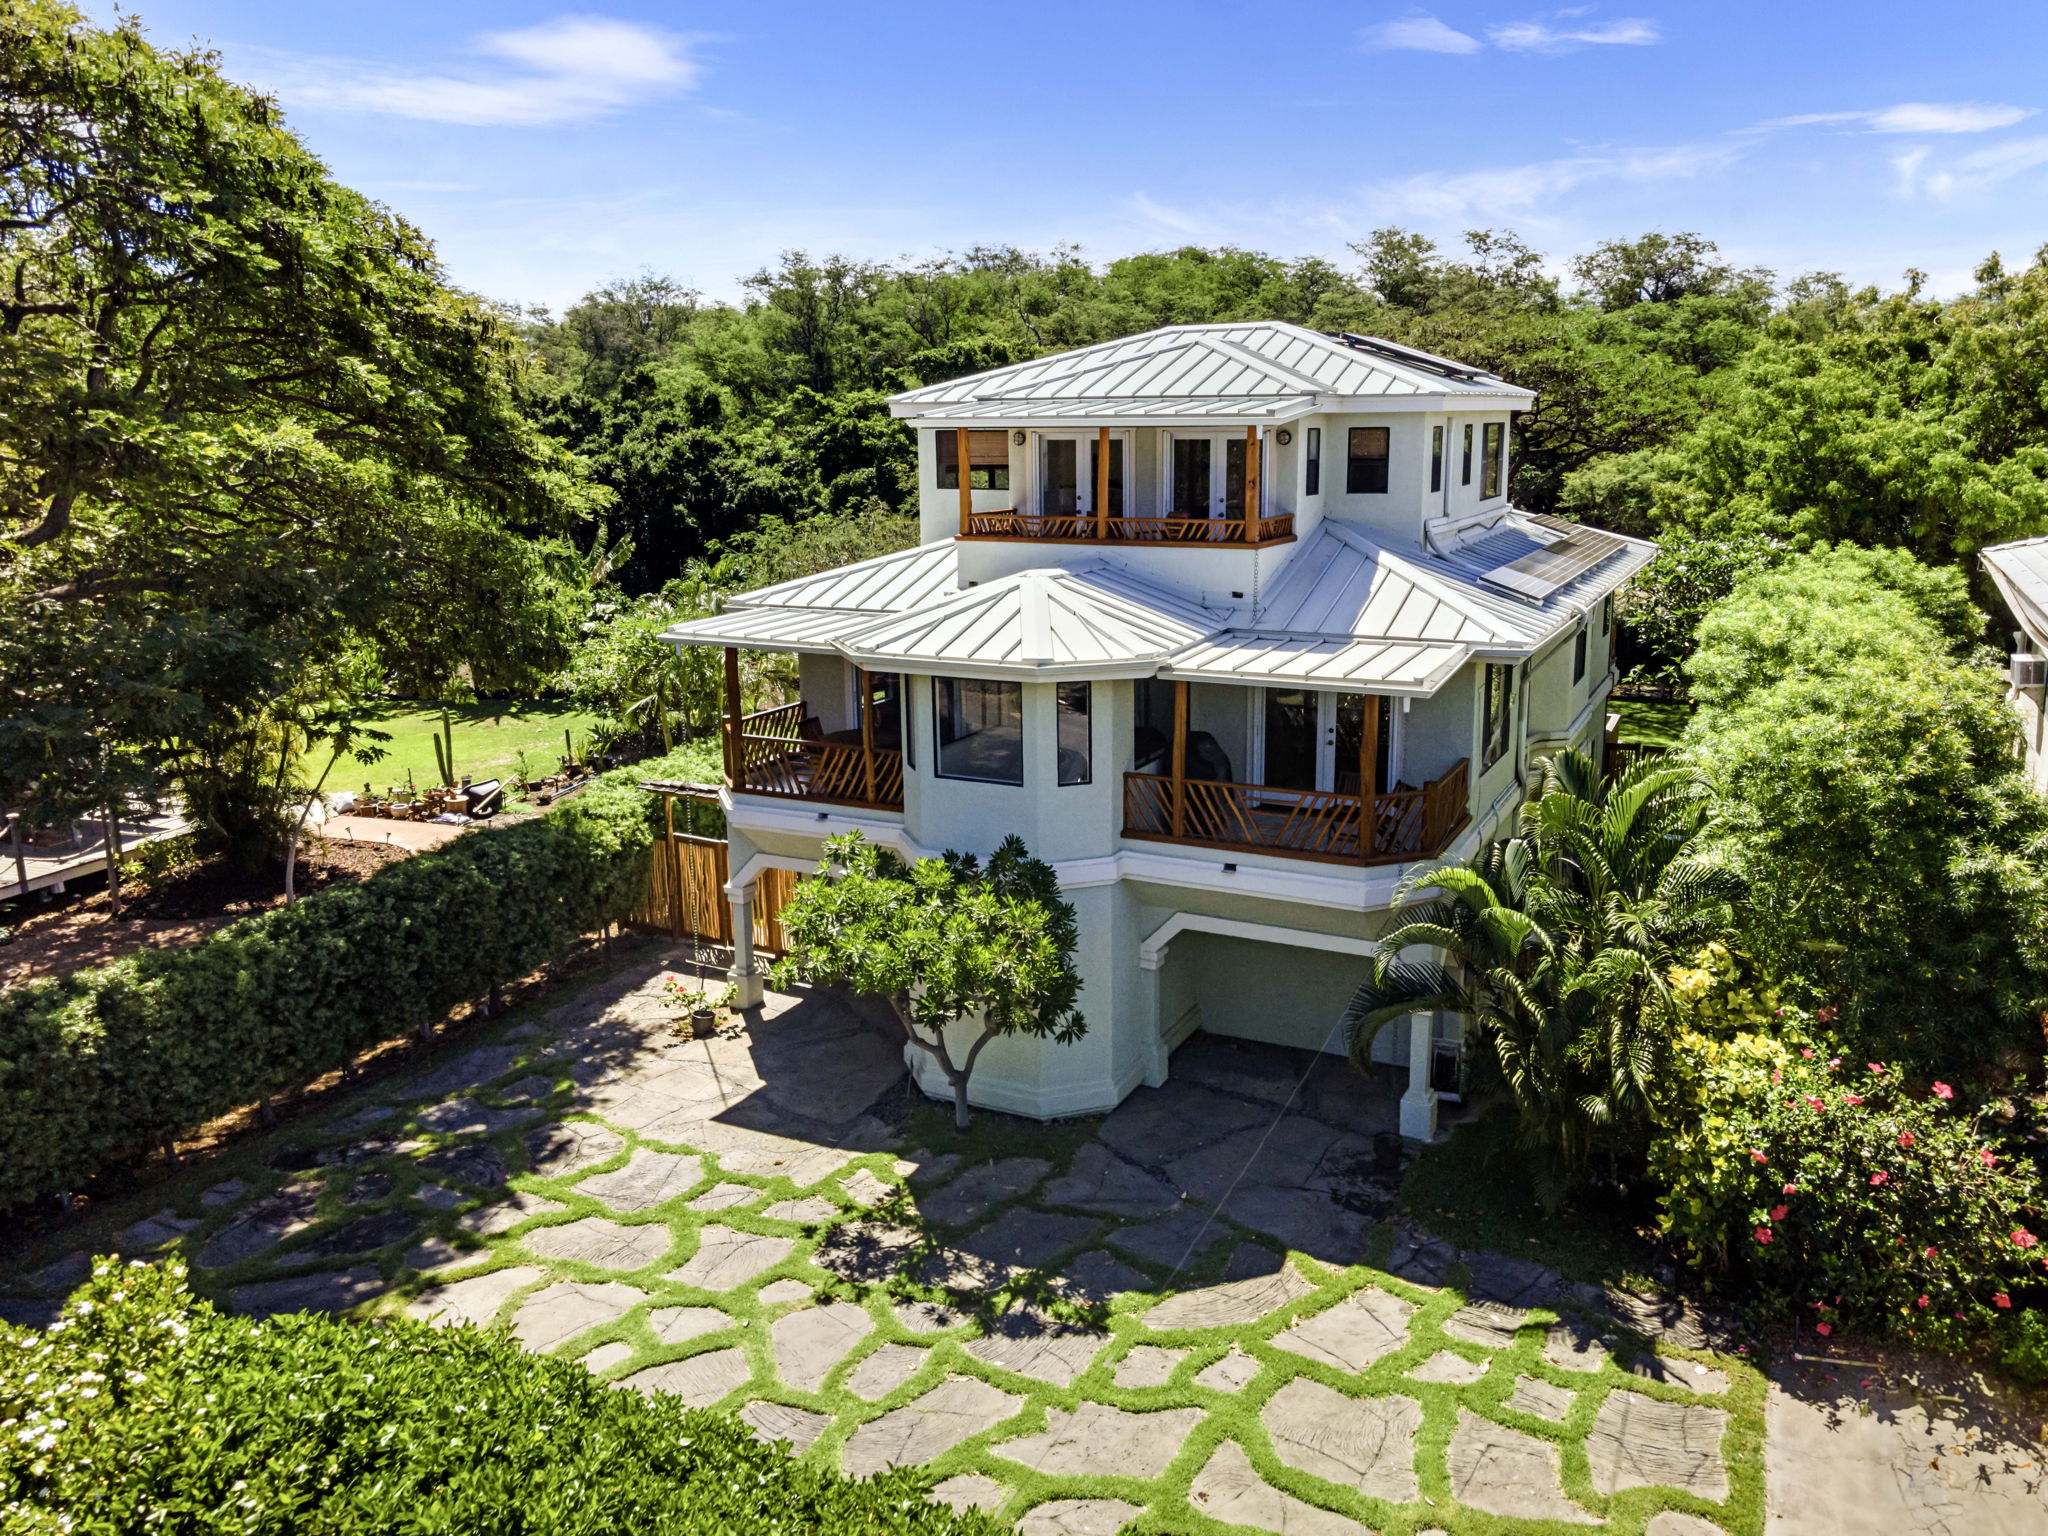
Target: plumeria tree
[943,941]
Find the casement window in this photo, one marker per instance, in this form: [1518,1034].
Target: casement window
[1365,467]
[1493,459]
[980,727]
[1312,459]
[1579,655]
[1498,728]
[988,460]
[1076,742]
[1436,458]
[1465,473]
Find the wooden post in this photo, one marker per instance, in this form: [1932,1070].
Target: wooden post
[675,867]
[1368,774]
[110,819]
[864,688]
[966,481]
[735,757]
[1251,485]
[20,855]
[1102,483]
[1180,756]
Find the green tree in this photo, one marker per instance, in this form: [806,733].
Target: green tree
[1555,943]
[942,941]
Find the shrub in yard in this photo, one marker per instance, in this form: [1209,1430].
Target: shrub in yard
[107,1062]
[1839,1193]
[144,1410]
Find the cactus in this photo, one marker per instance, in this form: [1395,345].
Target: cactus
[444,749]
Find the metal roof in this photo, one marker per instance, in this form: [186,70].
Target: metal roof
[1185,368]
[1381,666]
[816,630]
[2021,571]
[907,578]
[1343,583]
[1113,410]
[1500,542]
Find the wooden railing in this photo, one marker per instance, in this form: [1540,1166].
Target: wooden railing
[820,770]
[784,722]
[1298,823]
[1086,528]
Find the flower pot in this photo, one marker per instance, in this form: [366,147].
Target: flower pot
[703,1022]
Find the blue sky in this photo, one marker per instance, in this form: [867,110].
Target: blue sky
[548,148]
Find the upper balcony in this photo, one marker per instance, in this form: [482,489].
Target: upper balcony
[781,752]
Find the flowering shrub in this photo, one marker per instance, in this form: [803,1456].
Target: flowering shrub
[1841,1196]
[1717,993]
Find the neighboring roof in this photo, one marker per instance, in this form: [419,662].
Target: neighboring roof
[1383,666]
[1255,368]
[2021,571]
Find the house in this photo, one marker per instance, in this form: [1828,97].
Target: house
[1235,626]
[2020,572]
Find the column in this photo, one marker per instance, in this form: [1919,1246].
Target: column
[966,481]
[1418,1104]
[745,974]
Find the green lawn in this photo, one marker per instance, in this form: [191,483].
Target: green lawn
[489,736]
[1651,725]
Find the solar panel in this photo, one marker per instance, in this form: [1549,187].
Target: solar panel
[1415,357]
[1541,572]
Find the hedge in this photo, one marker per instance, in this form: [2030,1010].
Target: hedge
[108,1062]
[145,1410]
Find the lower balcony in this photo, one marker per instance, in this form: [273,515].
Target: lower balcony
[1087,528]
[783,753]
[1399,826]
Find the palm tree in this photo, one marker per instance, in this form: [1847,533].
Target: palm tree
[1556,942]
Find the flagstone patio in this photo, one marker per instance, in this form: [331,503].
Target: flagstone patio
[1184,1311]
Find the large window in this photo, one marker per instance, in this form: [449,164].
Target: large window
[1490,471]
[988,460]
[1312,454]
[980,728]
[1075,740]
[1465,474]
[1579,655]
[1436,458]
[1365,470]
[1499,725]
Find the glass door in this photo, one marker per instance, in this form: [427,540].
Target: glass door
[1294,753]
[1350,723]
[1059,476]
[1193,496]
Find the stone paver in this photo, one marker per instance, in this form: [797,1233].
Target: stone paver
[864,1188]
[1362,1443]
[1232,1373]
[481,1167]
[970,1490]
[1484,1323]
[778,1293]
[1239,1301]
[1036,1346]
[1078,1517]
[1574,1346]
[1676,1522]
[648,1179]
[556,1151]
[1096,1440]
[1229,1488]
[1021,1239]
[723,1197]
[475,1300]
[1098,1180]
[1543,1399]
[1095,1276]
[886,1370]
[604,1244]
[726,1258]
[1636,1441]
[699,1381]
[466,1117]
[679,1325]
[561,1311]
[470,1071]
[980,1187]
[1148,1366]
[334,1291]
[953,1410]
[927,1317]
[810,1209]
[779,1421]
[605,1356]
[1183,1235]
[1351,1335]
[263,1225]
[504,1212]
[155,1231]
[1444,1366]
[808,1343]
[1505,1472]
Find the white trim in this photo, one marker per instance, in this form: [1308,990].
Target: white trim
[1152,950]
[739,884]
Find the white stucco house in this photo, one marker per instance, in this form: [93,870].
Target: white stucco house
[2020,572]
[1235,626]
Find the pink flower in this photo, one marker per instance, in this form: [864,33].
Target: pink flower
[1777,1076]
[1905,1138]
[1923,1302]
[1778,1212]
[1879,1179]
[1806,1051]
[2001,1301]
[1756,1155]
[1789,1189]
[1818,1106]
[2022,1238]
[1988,1158]
[1763,1234]
[1943,1091]
[1930,1253]
[1823,1329]
[1852,1098]
[1876,1066]
[1834,1063]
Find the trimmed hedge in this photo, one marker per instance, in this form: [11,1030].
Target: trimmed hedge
[105,1063]
[145,1410]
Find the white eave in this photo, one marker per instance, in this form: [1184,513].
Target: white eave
[1413,668]
[2020,571]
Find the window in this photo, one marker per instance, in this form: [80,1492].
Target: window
[1312,455]
[1500,715]
[980,725]
[1606,616]
[1365,471]
[1579,655]
[1489,474]
[1465,476]
[1074,737]
[1436,458]
[988,460]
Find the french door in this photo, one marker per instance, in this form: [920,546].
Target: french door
[1309,739]
[1066,474]
[1205,475]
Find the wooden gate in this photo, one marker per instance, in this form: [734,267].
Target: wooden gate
[685,895]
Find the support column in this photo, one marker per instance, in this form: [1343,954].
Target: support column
[1418,1104]
[745,974]
[1251,485]
[735,757]
[1368,775]
[864,687]
[1102,483]
[1179,766]
[966,480]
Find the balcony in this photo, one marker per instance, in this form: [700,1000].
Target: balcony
[778,752]
[1087,528]
[1401,826]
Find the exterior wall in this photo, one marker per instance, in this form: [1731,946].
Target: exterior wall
[1438,730]
[826,684]
[2030,706]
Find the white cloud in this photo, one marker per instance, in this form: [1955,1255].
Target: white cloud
[1423,34]
[1539,35]
[1968,173]
[1516,190]
[1918,117]
[568,70]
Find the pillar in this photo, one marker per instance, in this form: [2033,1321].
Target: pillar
[745,975]
[1418,1104]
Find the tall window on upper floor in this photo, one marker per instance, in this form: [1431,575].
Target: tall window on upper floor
[1493,459]
[980,724]
[1076,740]
[1607,616]
[1436,458]
[1312,460]
[1579,655]
[1465,473]
[988,460]
[1365,466]
[1498,729]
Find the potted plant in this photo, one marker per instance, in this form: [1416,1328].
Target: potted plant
[696,1007]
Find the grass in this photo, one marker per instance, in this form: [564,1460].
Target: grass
[1651,725]
[489,736]
[1473,1190]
